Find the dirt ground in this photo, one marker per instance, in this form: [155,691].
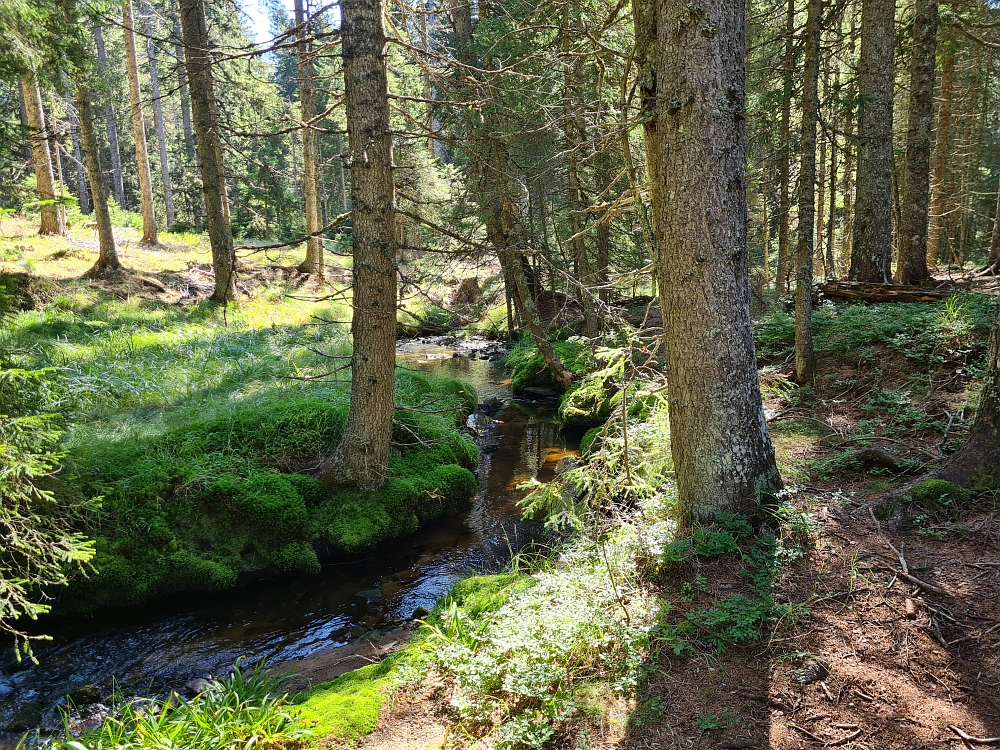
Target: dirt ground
[888,656]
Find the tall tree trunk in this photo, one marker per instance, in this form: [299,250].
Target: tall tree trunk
[644,19]
[362,457]
[82,194]
[941,156]
[149,236]
[805,356]
[871,254]
[785,157]
[313,262]
[976,465]
[912,267]
[831,226]
[27,153]
[994,260]
[722,453]
[190,148]
[575,138]
[161,133]
[819,219]
[201,86]
[107,259]
[117,181]
[52,219]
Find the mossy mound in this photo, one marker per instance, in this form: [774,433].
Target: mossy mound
[939,494]
[528,369]
[193,506]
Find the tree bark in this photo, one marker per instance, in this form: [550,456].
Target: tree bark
[313,262]
[201,86]
[912,268]
[575,138]
[161,133]
[871,253]
[785,157]
[82,194]
[644,19]
[149,234]
[805,356]
[976,465]
[831,226]
[107,259]
[993,263]
[117,181]
[362,457]
[52,219]
[941,155]
[722,453]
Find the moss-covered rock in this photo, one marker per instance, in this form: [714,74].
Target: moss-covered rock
[528,369]
[938,494]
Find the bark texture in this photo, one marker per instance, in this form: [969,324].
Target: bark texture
[644,18]
[871,250]
[785,158]
[977,463]
[149,235]
[52,220]
[201,86]
[117,182]
[941,157]
[722,453]
[107,259]
[912,267]
[805,356]
[161,133]
[313,262]
[363,455]
[83,195]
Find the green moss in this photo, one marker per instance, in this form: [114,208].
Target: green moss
[528,369]
[191,506]
[348,707]
[590,439]
[937,494]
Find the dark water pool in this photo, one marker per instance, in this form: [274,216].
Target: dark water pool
[160,646]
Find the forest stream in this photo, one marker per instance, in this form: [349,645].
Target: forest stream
[297,623]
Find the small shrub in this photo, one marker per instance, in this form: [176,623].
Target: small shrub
[709,543]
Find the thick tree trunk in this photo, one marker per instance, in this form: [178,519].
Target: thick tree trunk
[805,356]
[201,86]
[912,268]
[52,219]
[362,457]
[117,181]
[161,133]
[831,226]
[941,155]
[107,259]
[871,253]
[313,262]
[977,464]
[785,156]
[190,147]
[149,234]
[722,453]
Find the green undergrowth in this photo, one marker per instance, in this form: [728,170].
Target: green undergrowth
[348,707]
[193,504]
[241,711]
[921,331]
[528,369]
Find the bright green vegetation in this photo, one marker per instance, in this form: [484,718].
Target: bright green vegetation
[528,369]
[240,711]
[203,450]
[914,330]
[935,495]
[348,707]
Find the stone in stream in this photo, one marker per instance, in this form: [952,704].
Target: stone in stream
[196,687]
[541,391]
[491,406]
[85,695]
[26,716]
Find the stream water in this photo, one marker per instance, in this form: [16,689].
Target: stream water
[153,648]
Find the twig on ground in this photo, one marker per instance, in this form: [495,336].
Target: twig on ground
[992,741]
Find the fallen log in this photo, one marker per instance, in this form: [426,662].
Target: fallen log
[863,292]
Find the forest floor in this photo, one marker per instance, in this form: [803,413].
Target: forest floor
[873,659]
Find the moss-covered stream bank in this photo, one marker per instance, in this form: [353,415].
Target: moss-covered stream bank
[163,644]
